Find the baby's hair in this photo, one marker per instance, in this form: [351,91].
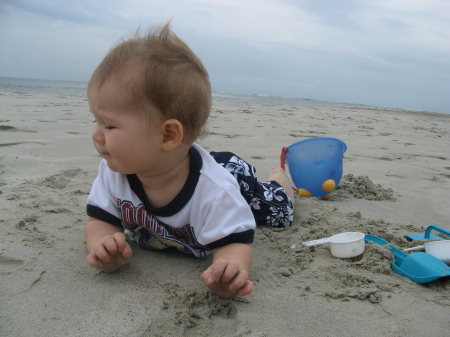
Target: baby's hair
[159,69]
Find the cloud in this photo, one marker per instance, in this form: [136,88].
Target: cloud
[73,11]
[379,52]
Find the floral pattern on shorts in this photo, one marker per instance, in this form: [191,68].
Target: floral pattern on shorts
[269,202]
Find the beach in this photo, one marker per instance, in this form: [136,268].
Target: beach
[396,182]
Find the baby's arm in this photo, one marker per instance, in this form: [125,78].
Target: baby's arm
[228,275]
[107,246]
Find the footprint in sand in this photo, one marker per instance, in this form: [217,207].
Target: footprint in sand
[8,265]
[61,180]
[7,128]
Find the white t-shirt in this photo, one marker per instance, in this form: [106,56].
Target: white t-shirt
[209,211]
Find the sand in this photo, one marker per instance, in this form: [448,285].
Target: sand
[396,182]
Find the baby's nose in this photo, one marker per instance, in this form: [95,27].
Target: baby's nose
[97,136]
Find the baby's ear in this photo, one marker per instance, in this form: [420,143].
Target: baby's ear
[173,134]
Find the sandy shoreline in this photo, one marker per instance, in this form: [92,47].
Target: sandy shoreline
[47,165]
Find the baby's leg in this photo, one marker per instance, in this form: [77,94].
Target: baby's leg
[268,200]
[279,175]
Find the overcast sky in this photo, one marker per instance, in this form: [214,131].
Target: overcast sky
[390,53]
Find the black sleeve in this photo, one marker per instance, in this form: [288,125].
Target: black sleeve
[243,237]
[100,214]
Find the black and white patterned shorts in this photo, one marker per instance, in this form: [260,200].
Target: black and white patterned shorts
[269,202]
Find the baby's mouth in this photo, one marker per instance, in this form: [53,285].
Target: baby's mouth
[104,153]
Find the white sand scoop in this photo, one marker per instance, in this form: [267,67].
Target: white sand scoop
[343,245]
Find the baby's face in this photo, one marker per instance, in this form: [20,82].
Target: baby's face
[124,136]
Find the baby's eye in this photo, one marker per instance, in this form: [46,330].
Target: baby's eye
[109,127]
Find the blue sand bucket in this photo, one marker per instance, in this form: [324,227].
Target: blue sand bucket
[315,165]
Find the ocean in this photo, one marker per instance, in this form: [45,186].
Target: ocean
[12,84]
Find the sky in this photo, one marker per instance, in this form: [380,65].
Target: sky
[387,53]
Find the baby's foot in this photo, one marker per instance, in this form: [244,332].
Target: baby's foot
[277,174]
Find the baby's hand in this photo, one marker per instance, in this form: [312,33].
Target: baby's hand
[227,279]
[111,253]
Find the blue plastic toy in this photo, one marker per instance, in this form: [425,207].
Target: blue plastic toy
[428,235]
[315,165]
[418,267]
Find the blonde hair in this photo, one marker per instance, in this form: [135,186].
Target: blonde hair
[163,72]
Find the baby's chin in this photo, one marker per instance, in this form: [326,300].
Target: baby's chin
[113,167]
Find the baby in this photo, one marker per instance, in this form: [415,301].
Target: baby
[151,98]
